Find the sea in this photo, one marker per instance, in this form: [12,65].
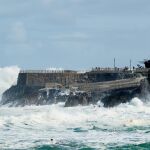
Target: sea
[55,127]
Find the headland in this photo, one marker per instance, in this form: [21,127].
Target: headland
[111,86]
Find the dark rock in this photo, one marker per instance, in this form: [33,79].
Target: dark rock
[51,95]
[20,95]
[116,97]
[78,98]
[109,98]
[25,95]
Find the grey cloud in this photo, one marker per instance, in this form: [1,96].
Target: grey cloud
[74,33]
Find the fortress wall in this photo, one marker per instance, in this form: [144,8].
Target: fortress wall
[22,79]
[40,79]
[69,77]
[108,76]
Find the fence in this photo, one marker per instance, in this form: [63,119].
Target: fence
[97,69]
[42,71]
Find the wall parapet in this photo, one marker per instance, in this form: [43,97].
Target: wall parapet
[42,71]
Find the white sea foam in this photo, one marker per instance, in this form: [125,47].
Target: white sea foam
[136,102]
[8,77]
[87,124]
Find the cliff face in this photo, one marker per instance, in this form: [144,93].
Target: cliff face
[109,99]
[20,95]
[112,88]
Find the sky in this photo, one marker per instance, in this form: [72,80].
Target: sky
[73,34]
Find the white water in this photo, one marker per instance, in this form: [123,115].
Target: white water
[8,77]
[93,126]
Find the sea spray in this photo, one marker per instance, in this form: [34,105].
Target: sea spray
[8,77]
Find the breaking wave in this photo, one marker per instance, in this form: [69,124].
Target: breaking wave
[8,77]
[78,127]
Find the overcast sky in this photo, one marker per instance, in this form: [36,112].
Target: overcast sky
[73,34]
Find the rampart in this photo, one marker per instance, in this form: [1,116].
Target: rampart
[41,78]
[68,77]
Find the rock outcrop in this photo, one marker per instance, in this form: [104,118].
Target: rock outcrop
[20,96]
[111,88]
[78,98]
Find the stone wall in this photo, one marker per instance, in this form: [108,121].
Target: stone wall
[22,79]
[40,79]
[68,78]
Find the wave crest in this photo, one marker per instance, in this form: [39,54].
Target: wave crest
[8,77]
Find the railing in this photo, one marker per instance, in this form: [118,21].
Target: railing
[54,71]
[42,71]
[103,70]
[97,69]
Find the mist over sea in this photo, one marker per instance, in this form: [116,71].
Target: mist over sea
[126,126]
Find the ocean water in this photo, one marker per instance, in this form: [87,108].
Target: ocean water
[126,126]
[55,127]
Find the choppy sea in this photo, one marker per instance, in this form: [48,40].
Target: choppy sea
[54,127]
[126,126]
